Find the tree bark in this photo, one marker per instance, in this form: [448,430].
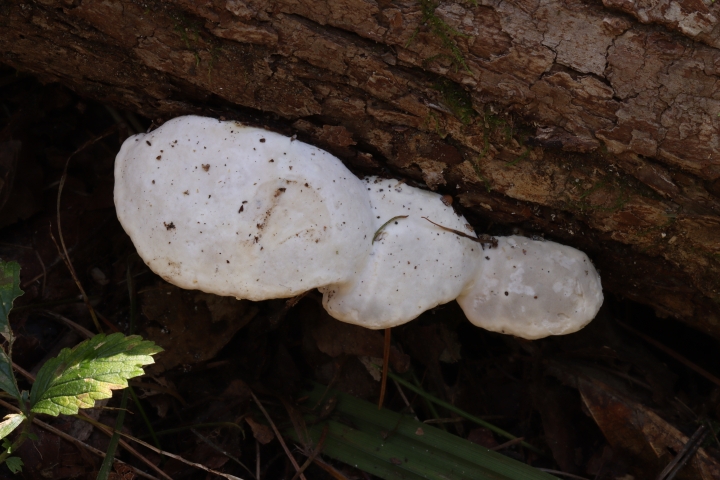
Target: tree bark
[593,123]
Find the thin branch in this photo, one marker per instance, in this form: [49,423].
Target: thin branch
[687,452]
[673,354]
[108,431]
[379,231]
[314,453]
[221,450]
[483,240]
[277,434]
[257,460]
[75,441]
[65,254]
[405,399]
[507,444]
[69,323]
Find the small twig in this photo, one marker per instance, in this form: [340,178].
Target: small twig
[32,280]
[69,323]
[221,450]
[50,303]
[330,470]
[65,257]
[170,431]
[108,431]
[428,404]
[29,376]
[691,446]
[379,231]
[405,399]
[690,410]
[673,354]
[386,362]
[482,240]
[158,388]
[64,252]
[257,460]
[75,441]
[508,444]
[278,435]
[314,453]
[15,245]
[43,275]
[98,227]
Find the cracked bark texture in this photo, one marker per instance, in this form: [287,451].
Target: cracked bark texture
[593,123]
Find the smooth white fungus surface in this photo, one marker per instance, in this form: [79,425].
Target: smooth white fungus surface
[413,266]
[240,211]
[532,289]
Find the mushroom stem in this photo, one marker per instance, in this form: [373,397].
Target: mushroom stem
[386,363]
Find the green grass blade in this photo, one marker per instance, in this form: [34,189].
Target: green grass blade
[107,464]
[393,446]
[460,412]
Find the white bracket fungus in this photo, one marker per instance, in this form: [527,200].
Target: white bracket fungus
[413,266]
[238,211]
[244,212]
[532,289]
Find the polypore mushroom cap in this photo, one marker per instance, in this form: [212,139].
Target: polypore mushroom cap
[414,265]
[240,211]
[532,289]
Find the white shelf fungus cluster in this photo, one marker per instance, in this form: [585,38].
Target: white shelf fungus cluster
[244,212]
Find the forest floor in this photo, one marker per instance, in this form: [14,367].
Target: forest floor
[617,400]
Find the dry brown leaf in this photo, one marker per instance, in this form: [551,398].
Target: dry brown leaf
[336,338]
[636,430]
[192,327]
[262,433]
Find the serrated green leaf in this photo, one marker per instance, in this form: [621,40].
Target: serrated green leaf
[89,372]
[9,291]
[14,464]
[10,423]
